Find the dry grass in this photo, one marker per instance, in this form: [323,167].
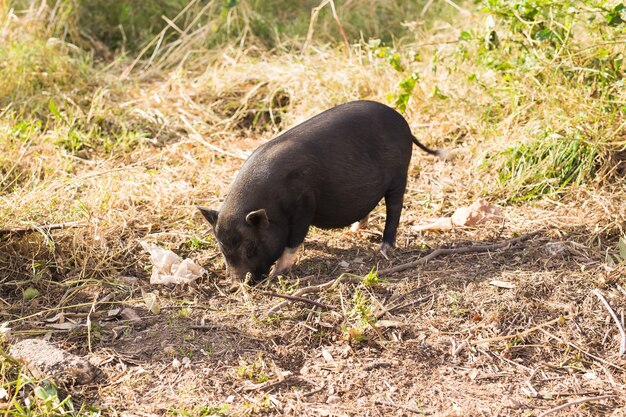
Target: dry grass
[130,153]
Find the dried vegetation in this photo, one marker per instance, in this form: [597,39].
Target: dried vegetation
[114,140]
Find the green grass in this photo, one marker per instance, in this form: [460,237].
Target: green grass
[546,166]
[33,70]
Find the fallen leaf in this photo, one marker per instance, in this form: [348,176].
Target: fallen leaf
[63,326]
[130,315]
[480,211]
[60,317]
[30,293]
[152,301]
[326,354]
[114,312]
[389,323]
[5,332]
[502,284]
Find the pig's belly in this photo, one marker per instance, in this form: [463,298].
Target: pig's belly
[344,207]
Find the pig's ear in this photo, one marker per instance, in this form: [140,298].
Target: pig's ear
[210,215]
[258,218]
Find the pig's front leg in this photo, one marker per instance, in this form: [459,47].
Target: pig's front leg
[286,261]
[299,229]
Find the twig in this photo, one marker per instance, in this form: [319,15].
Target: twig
[459,9]
[525,332]
[467,249]
[402,407]
[47,227]
[314,289]
[401,297]
[267,387]
[426,7]
[407,304]
[198,137]
[620,326]
[296,298]
[341,30]
[574,402]
[315,14]
[578,348]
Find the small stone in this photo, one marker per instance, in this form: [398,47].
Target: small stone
[45,359]
[130,314]
[333,399]
[128,280]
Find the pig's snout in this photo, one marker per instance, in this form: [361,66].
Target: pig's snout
[245,275]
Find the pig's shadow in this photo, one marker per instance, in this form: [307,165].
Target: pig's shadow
[320,257]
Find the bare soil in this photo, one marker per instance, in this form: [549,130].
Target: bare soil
[425,357]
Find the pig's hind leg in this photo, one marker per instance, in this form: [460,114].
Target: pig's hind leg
[393,203]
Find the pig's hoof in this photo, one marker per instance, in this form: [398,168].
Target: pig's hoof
[275,272]
[385,248]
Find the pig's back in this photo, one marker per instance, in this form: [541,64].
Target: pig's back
[344,160]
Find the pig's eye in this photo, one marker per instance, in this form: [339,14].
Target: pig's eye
[251,250]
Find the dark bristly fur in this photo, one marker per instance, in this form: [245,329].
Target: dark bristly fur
[329,172]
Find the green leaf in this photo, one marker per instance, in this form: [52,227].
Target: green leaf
[465,36]
[54,110]
[617,15]
[30,293]
[544,34]
[47,392]
[439,94]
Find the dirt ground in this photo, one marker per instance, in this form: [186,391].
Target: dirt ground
[447,342]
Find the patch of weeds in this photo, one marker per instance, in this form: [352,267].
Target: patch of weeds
[456,304]
[257,406]
[96,331]
[286,285]
[360,315]
[404,90]
[315,268]
[185,353]
[32,69]
[372,279]
[198,243]
[387,53]
[516,341]
[613,259]
[202,411]
[183,312]
[546,166]
[254,371]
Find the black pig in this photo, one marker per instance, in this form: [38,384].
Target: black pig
[329,171]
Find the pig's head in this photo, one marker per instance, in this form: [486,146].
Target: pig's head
[249,242]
